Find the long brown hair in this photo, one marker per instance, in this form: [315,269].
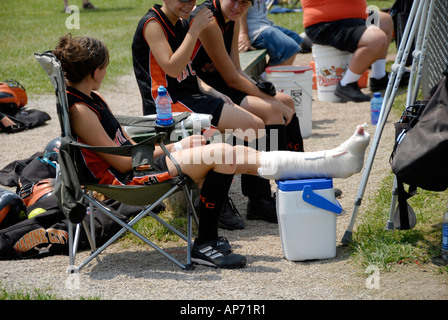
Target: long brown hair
[80,56]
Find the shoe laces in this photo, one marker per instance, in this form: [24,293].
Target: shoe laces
[233,207]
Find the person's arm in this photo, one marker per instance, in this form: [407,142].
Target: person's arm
[205,88]
[87,126]
[173,63]
[228,65]
[244,43]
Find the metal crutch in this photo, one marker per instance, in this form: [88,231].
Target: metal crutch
[397,71]
[413,89]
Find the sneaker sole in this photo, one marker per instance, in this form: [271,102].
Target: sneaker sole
[210,264]
[345,98]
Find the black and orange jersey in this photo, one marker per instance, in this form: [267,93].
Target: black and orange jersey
[202,63]
[149,74]
[95,169]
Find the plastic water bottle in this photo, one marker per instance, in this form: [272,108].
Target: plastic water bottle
[375,107]
[445,236]
[163,108]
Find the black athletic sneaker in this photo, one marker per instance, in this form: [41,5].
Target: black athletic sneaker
[350,92]
[381,84]
[230,218]
[262,209]
[217,253]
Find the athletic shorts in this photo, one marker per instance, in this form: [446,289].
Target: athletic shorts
[157,175]
[218,83]
[200,103]
[280,43]
[341,34]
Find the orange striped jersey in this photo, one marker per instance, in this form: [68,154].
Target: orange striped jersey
[202,62]
[92,167]
[148,72]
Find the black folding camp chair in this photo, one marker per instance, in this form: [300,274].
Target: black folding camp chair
[148,197]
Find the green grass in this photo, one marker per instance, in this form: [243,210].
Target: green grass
[30,26]
[372,244]
[35,294]
[158,233]
[20,294]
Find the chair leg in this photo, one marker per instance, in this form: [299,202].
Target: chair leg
[71,253]
[191,213]
[73,240]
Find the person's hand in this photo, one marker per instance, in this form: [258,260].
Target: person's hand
[189,142]
[287,114]
[225,98]
[215,93]
[244,43]
[202,19]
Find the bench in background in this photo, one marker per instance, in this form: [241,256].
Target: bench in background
[253,62]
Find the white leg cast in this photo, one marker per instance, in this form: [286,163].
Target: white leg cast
[341,162]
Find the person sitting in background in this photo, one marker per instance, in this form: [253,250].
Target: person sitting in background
[216,61]
[344,25]
[257,31]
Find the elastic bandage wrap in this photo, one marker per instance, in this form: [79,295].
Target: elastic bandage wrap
[341,162]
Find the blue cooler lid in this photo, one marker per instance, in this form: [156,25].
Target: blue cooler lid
[297,185]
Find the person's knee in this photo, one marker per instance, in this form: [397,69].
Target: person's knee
[225,158]
[287,100]
[383,43]
[258,124]
[377,41]
[254,124]
[276,109]
[386,24]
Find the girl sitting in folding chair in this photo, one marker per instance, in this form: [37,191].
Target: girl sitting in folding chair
[84,61]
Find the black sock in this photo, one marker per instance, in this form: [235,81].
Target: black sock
[294,136]
[276,136]
[255,187]
[214,192]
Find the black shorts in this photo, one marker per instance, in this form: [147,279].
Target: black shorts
[158,174]
[217,82]
[341,34]
[200,103]
[235,95]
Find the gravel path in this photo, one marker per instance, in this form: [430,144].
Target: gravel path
[138,272]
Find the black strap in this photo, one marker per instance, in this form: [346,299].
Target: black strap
[403,196]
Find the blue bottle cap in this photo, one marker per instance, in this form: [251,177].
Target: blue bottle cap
[161,90]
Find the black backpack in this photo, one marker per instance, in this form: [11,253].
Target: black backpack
[420,155]
[47,233]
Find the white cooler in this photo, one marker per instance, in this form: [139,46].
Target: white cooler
[307,211]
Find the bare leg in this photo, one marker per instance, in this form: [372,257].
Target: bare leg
[244,124]
[340,162]
[373,45]
[198,161]
[270,110]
